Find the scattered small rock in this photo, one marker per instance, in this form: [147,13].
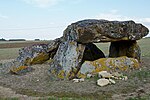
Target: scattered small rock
[116,74]
[112,81]
[104,74]
[78,80]
[103,82]
[88,75]
[125,78]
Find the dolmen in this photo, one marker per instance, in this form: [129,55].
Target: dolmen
[75,55]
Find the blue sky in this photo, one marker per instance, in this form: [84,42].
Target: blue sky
[46,19]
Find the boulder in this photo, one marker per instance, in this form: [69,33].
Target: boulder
[109,64]
[93,31]
[67,61]
[102,82]
[35,54]
[38,53]
[125,48]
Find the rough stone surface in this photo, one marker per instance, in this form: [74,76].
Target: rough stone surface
[125,48]
[78,80]
[104,74]
[112,81]
[116,74]
[20,70]
[103,82]
[38,53]
[35,54]
[67,61]
[109,64]
[53,46]
[89,31]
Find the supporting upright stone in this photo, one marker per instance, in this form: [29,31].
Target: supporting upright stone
[125,48]
[67,61]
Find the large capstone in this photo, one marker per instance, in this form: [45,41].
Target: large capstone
[89,31]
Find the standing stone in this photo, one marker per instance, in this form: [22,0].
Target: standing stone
[125,48]
[67,61]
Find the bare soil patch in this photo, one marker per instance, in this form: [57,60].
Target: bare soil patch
[36,84]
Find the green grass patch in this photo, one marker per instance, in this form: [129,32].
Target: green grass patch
[9,53]
[9,98]
[140,98]
[142,74]
[145,48]
[65,95]
[104,47]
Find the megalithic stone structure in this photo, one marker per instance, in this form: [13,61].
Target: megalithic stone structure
[75,54]
[71,53]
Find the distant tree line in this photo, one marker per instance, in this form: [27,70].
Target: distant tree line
[17,39]
[2,39]
[12,40]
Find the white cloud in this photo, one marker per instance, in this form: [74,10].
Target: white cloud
[48,3]
[3,16]
[114,15]
[42,3]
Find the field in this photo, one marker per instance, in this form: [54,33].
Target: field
[9,49]
[36,85]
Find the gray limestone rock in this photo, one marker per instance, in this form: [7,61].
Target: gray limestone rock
[92,30]
[33,54]
[38,53]
[67,61]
